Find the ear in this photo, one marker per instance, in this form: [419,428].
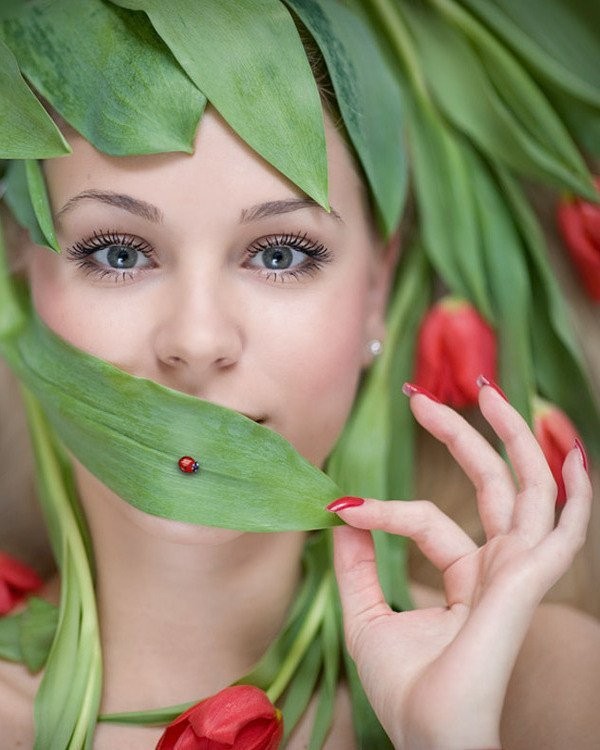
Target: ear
[385,261]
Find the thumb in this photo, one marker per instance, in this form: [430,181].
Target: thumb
[356,572]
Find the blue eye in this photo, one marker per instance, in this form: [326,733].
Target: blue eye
[281,256]
[111,254]
[120,257]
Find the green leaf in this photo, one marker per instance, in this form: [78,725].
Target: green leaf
[446,207]
[373,457]
[40,202]
[11,316]
[330,639]
[301,688]
[509,110]
[17,198]
[67,701]
[510,285]
[10,8]
[10,641]
[108,74]
[582,119]
[26,129]
[369,732]
[247,58]
[250,478]
[559,40]
[559,364]
[38,627]
[369,98]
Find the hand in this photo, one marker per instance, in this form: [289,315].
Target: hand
[437,677]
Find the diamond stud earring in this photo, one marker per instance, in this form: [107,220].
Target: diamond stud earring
[375,346]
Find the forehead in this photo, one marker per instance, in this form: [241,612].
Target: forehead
[223,174]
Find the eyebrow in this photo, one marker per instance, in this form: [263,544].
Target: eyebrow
[274,208]
[119,200]
[152,213]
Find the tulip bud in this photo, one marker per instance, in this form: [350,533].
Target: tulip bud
[240,717]
[556,435]
[16,580]
[455,345]
[579,224]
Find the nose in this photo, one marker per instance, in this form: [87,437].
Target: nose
[198,332]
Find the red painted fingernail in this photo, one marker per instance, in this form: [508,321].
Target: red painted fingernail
[482,380]
[344,502]
[582,453]
[410,389]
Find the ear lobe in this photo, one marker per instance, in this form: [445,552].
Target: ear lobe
[384,270]
[384,267]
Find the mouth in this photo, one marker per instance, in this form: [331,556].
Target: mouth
[258,420]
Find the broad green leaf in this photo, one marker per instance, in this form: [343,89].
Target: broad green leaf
[369,98]
[68,698]
[247,58]
[301,688]
[559,365]
[11,316]
[11,8]
[583,120]
[38,627]
[331,633]
[367,729]
[542,137]
[250,478]
[561,41]
[472,103]
[510,285]
[17,198]
[40,202]
[446,207]
[108,74]
[10,641]
[26,129]
[373,457]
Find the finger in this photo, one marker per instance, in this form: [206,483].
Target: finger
[535,502]
[481,463]
[441,540]
[358,583]
[556,552]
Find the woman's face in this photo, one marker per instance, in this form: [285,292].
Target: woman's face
[213,275]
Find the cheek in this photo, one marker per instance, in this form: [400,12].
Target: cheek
[70,308]
[321,371]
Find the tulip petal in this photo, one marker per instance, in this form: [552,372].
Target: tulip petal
[17,574]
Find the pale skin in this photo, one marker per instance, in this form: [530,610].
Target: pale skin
[185,610]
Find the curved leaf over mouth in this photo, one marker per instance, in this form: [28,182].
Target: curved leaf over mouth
[130,432]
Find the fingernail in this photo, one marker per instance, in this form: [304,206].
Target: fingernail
[582,453]
[344,502]
[482,380]
[410,389]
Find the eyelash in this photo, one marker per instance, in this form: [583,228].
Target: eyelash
[82,251]
[316,254]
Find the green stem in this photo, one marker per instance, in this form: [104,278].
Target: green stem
[310,626]
[388,15]
[68,543]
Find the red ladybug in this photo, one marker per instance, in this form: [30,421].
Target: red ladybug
[188,465]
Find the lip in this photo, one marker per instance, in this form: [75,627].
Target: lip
[258,420]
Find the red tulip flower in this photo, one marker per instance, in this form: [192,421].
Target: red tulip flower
[579,224]
[240,717]
[556,435]
[455,345]
[16,581]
